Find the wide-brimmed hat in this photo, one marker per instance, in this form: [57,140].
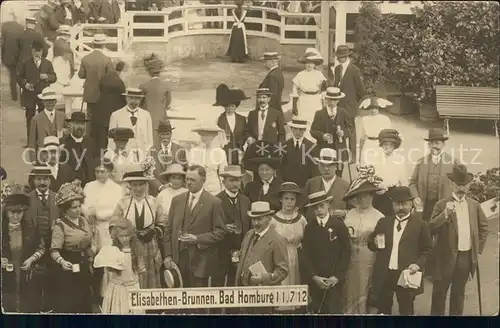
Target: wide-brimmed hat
[69,191]
[121,133]
[134,92]
[293,188]
[207,127]
[252,164]
[110,256]
[436,134]
[15,195]
[64,29]
[258,209]
[3,173]
[48,94]
[270,56]
[263,92]
[460,176]
[40,169]
[77,117]
[367,182]
[334,93]
[399,194]
[136,175]
[153,63]
[173,277]
[342,51]
[374,102]
[298,122]
[165,126]
[173,169]
[311,55]
[317,198]
[390,135]
[225,96]
[327,156]
[51,143]
[99,39]
[232,171]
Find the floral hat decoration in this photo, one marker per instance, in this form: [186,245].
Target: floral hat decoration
[366,182]
[70,191]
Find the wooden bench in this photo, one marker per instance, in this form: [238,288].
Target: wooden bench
[476,103]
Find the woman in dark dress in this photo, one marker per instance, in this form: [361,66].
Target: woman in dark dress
[22,247]
[71,250]
[237,49]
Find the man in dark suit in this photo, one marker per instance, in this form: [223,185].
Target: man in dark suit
[27,38]
[193,230]
[48,20]
[11,49]
[266,123]
[61,173]
[461,230]
[349,79]
[274,79]
[325,256]
[266,184]
[33,75]
[168,153]
[65,13]
[401,242]
[78,150]
[92,68]
[235,206]
[329,182]
[332,126]
[297,164]
[107,11]
[42,213]
[234,124]
[262,244]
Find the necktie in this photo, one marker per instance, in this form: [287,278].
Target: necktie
[262,114]
[43,199]
[232,199]
[37,63]
[51,117]
[399,227]
[297,146]
[265,188]
[255,239]
[191,202]
[133,119]
[321,224]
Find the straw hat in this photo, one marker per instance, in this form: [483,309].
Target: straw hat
[48,94]
[264,92]
[311,55]
[374,102]
[134,92]
[233,171]
[207,127]
[173,169]
[367,182]
[318,198]
[99,39]
[135,176]
[173,278]
[121,133]
[327,156]
[40,169]
[298,122]
[259,209]
[334,93]
[51,143]
[64,29]
[270,56]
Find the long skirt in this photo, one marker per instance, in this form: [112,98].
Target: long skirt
[153,261]
[237,48]
[73,289]
[307,105]
[116,299]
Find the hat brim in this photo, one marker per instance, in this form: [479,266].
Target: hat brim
[317,61]
[319,202]
[173,280]
[264,93]
[51,147]
[99,42]
[79,120]
[342,95]
[436,139]
[129,95]
[322,161]
[297,126]
[167,174]
[161,130]
[131,179]
[273,58]
[250,214]
[17,200]
[211,130]
[469,179]
[252,164]
[361,191]
[47,98]
[231,175]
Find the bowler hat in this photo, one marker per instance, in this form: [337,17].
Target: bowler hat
[121,133]
[400,194]
[77,117]
[436,134]
[165,126]
[258,209]
[342,51]
[460,176]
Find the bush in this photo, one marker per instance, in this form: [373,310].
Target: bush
[485,186]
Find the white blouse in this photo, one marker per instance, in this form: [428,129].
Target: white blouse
[373,124]
[392,170]
[101,198]
[165,196]
[307,81]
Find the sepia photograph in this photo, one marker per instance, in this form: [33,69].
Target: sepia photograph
[257,158]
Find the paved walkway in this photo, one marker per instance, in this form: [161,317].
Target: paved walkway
[193,85]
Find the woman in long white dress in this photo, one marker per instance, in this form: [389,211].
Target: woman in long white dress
[175,176]
[308,86]
[370,127]
[62,58]
[209,154]
[361,222]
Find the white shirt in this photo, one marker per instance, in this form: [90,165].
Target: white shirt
[231,120]
[322,222]
[393,260]
[436,158]
[300,141]
[463,223]
[231,195]
[262,121]
[54,169]
[50,115]
[77,140]
[68,13]
[266,185]
[196,198]
[328,184]
[40,194]
[392,171]
[263,232]
[166,149]
[344,67]
[332,112]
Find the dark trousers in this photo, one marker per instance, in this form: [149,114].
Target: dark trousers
[426,216]
[100,136]
[92,125]
[13,82]
[329,303]
[353,141]
[405,296]
[29,114]
[457,280]
[189,280]
[220,281]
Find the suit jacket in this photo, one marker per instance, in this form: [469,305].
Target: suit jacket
[110,11]
[48,21]
[62,48]
[253,190]
[157,98]
[43,225]
[338,190]
[419,179]
[86,171]
[11,43]
[352,85]
[415,247]
[81,14]
[29,73]
[270,250]
[323,124]
[206,223]
[162,161]
[61,16]
[111,98]
[25,42]
[274,126]
[64,175]
[40,129]
[275,81]
[298,166]
[232,241]
[236,138]
[445,231]
[143,129]
[92,68]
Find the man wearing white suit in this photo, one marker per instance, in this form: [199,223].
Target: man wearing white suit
[137,119]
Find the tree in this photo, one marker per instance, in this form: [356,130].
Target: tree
[369,54]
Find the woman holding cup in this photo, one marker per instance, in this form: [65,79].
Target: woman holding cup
[21,248]
[71,249]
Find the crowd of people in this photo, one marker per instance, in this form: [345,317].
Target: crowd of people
[114,204]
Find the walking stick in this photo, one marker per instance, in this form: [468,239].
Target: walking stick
[478,278]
